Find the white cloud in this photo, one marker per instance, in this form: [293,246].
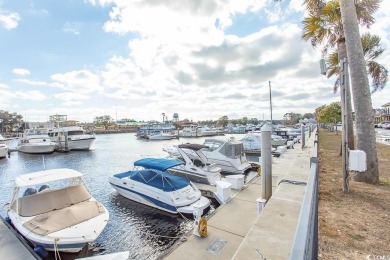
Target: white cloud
[72,28]
[30,95]
[82,81]
[9,20]
[21,72]
[71,96]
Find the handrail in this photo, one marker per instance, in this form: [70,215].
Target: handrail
[305,243]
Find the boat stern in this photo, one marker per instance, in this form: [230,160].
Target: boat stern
[203,203]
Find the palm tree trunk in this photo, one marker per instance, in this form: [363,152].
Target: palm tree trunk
[365,131]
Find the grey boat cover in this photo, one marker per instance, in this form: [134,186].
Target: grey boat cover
[60,219]
[55,210]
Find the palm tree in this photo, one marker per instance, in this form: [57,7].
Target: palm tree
[358,73]
[361,92]
[324,25]
[372,50]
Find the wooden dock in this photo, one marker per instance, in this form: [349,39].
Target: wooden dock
[12,245]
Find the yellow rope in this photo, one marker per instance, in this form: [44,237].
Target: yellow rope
[259,171]
[202,227]
[56,250]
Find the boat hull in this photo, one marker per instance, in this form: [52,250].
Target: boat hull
[37,148]
[71,240]
[3,151]
[77,143]
[158,200]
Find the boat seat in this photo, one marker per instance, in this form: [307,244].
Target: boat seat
[50,200]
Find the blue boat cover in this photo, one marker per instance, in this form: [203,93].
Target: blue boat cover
[157,163]
[157,179]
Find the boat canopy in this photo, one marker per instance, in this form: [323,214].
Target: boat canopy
[42,177]
[157,179]
[157,163]
[194,147]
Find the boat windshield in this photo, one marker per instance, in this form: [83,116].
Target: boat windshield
[212,144]
[232,149]
[77,132]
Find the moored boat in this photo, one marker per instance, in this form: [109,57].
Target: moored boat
[149,183]
[36,141]
[196,169]
[71,138]
[53,209]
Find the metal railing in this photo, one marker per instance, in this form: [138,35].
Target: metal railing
[305,243]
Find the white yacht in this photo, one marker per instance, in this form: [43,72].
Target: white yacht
[190,130]
[71,138]
[36,141]
[206,131]
[53,209]
[228,155]
[4,140]
[4,149]
[195,168]
[252,141]
[158,135]
[156,131]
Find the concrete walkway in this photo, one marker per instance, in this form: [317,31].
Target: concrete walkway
[10,245]
[235,228]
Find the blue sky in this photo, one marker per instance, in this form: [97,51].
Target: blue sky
[202,59]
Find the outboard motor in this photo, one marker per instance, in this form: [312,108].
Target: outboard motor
[30,191]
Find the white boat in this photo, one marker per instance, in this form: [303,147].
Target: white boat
[4,140]
[4,149]
[36,141]
[148,130]
[206,131]
[229,155]
[190,130]
[252,141]
[149,183]
[71,138]
[195,168]
[53,209]
[159,136]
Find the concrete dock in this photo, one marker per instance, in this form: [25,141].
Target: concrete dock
[236,231]
[11,247]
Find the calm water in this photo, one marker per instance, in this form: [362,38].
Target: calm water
[132,227]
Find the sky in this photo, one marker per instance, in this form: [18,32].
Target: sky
[202,59]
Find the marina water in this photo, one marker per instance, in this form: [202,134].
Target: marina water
[144,231]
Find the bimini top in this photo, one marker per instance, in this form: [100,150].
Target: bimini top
[157,163]
[42,177]
[157,179]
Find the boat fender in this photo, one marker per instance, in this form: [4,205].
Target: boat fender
[202,227]
[41,251]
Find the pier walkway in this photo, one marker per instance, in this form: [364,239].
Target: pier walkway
[235,231]
[10,245]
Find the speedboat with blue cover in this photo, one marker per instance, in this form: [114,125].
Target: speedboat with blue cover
[149,183]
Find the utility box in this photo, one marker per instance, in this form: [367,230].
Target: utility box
[357,161]
[237,181]
[223,192]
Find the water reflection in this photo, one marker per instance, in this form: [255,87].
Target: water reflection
[144,231]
